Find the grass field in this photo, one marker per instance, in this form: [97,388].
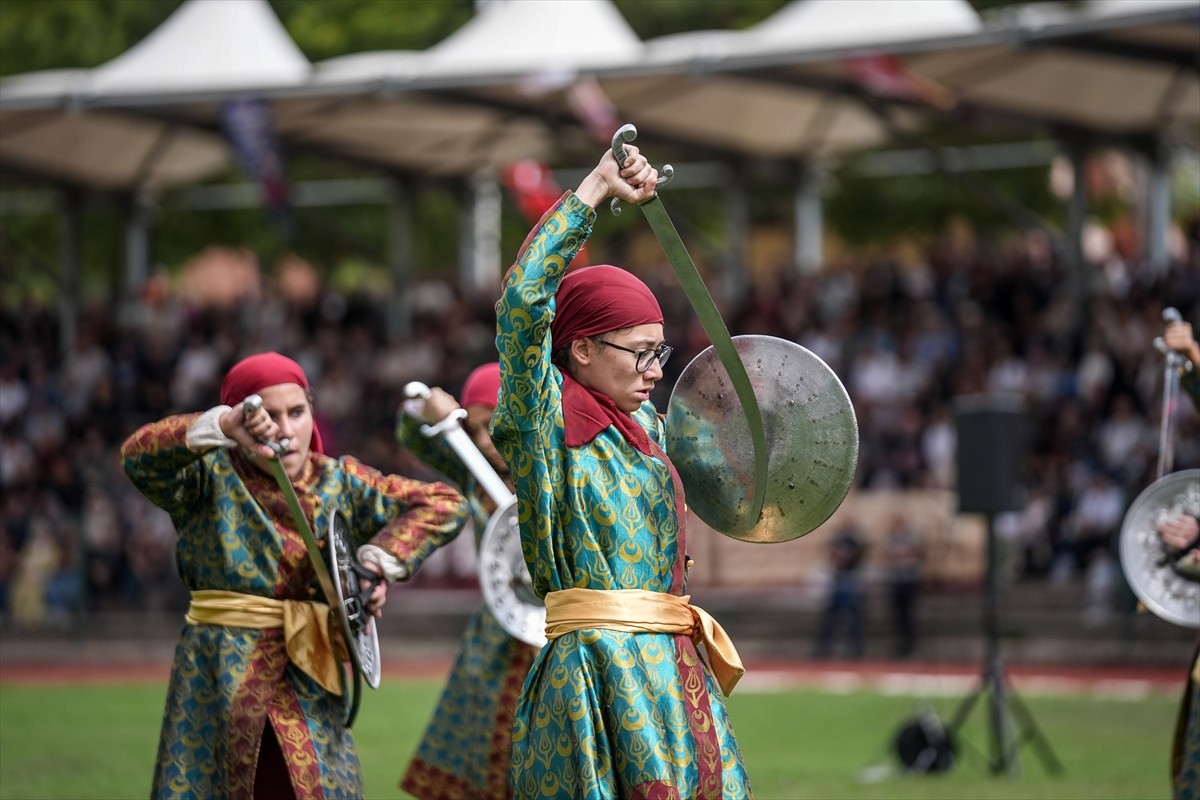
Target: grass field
[97,742]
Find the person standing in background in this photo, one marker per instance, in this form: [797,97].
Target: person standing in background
[902,555]
[467,746]
[843,609]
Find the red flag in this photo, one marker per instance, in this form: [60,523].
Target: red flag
[886,75]
[535,190]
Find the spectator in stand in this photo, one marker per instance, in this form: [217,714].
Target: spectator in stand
[902,558]
[842,615]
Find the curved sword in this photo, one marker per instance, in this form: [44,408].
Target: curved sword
[324,577]
[709,316]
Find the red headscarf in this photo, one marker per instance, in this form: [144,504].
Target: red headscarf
[599,299]
[482,386]
[591,301]
[259,371]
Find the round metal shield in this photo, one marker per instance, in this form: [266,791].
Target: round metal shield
[358,626]
[1144,559]
[504,579]
[811,433]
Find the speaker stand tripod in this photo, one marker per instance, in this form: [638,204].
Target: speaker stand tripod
[993,682]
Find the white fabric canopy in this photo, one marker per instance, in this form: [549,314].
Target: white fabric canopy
[435,111]
[819,25]
[489,93]
[75,125]
[206,46]
[522,38]
[1110,66]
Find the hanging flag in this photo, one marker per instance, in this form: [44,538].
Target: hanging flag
[593,108]
[885,75]
[250,128]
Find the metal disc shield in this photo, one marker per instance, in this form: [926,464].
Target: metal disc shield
[812,440]
[363,641]
[505,582]
[1143,557]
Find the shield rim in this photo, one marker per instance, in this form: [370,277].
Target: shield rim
[497,539]
[369,638]
[1130,550]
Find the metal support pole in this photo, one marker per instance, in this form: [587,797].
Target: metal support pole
[137,244]
[1077,211]
[401,260]
[1004,751]
[809,219]
[481,262]
[1158,211]
[71,268]
[737,234]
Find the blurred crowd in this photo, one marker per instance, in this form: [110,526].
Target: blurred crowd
[906,337]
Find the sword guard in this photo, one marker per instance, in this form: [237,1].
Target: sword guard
[253,403]
[627,133]
[449,423]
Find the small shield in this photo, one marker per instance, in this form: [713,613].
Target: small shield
[1144,558]
[811,434]
[363,642]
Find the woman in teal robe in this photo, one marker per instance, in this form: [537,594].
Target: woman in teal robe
[624,707]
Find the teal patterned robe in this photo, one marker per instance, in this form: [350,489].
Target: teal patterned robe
[465,752]
[1185,748]
[236,534]
[603,714]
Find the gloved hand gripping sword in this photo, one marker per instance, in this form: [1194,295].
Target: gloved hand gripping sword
[342,587]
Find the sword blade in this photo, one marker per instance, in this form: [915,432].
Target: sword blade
[710,319]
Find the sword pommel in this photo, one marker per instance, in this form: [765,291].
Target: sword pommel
[252,404]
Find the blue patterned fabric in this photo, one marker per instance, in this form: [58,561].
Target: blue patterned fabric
[603,714]
[236,534]
[465,751]
[1185,760]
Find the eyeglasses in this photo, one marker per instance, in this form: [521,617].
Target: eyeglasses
[643,357]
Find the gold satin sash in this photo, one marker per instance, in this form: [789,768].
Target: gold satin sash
[305,627]
[640,611]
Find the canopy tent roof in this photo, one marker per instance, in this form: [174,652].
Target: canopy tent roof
[677,88]
[1123,67]
[522,38]
[206,46]
[74,126]
[815,26]
[789,87]
[400,108]
[107,150]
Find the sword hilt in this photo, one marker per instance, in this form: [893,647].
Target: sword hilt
[1173,360]
[252,404]
[627,133]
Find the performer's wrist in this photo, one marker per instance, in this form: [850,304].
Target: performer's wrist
[392,568]
[207,432]
[592,191]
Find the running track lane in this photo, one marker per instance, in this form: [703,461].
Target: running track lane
[889,677]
